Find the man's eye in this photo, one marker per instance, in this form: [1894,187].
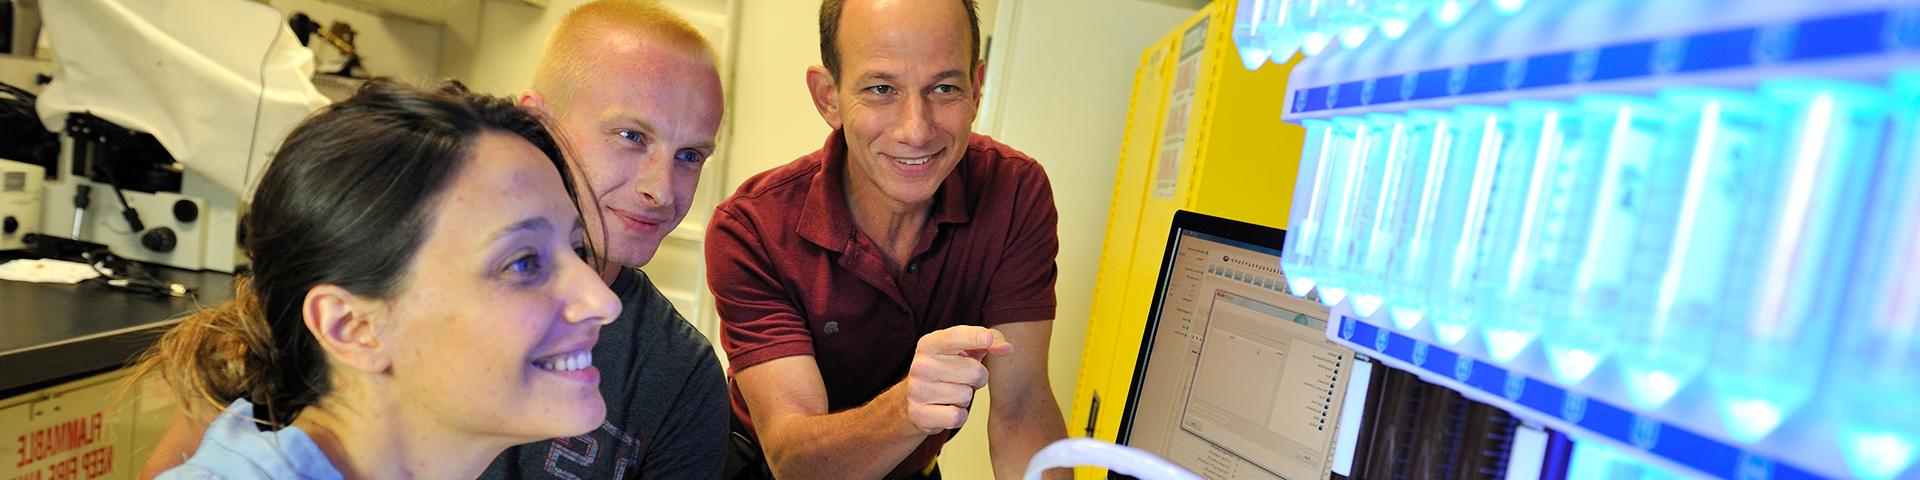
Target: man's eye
[690,156]
[881,89]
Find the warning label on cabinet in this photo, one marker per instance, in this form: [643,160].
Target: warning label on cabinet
[1173,138]
[75,448]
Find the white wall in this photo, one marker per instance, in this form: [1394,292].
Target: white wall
[1061,75]
[773,120]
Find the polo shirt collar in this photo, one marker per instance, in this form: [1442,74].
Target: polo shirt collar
[827,220]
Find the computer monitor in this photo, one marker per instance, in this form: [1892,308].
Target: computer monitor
[1236,378]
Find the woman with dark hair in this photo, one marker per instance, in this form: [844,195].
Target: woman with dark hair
[420,300]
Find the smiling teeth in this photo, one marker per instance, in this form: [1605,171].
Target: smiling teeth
[566,362]
[913,161]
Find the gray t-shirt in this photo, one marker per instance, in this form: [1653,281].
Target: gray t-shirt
[667,403]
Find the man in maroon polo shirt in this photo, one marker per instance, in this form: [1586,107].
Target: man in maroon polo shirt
[868,289]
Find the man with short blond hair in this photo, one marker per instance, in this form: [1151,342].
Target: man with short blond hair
[633,93]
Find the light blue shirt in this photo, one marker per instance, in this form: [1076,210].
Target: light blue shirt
[235,448]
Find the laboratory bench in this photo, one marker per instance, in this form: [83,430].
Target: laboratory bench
[65,407]
[50,333]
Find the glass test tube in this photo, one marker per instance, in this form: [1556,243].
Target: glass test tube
[1429,140]
[1246,28]
[1316,31]
[1395,16]
[1374,230]
[1284,35]
[1595,206]
[1510,244]
[1697,189]
[1461,218]
[1446,13]
[1873,369]
[1309,203]
[1347,163]
[1774,339]
[1348,21]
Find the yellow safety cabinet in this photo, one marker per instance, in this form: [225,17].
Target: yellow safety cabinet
[1203,134]
[87,429]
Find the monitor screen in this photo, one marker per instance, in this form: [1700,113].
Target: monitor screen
[1236,378]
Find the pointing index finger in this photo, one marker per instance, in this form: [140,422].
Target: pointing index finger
[967,340]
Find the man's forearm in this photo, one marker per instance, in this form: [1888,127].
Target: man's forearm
[864,442]
[1014,437]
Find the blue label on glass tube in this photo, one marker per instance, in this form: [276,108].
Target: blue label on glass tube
[1548,70]
[1624,61]
[1840,36]
[1389,90]
[1485,77]
[1431,84]
[1717,50]
[1349,95]
[1573,408]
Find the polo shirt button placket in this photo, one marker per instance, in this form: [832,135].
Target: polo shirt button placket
[913,267]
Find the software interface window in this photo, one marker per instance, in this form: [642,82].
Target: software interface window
[1242,382]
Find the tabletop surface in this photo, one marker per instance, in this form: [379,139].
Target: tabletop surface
[52,332]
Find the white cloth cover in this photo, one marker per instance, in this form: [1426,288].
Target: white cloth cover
[218,82]
[47,271]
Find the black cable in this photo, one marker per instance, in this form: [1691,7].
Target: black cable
[20,103]
[123,278]
[127,211]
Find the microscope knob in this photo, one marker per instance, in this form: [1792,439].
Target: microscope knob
[9,226]
[185,211]
[159,239]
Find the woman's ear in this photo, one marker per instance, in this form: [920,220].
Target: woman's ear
[345,326]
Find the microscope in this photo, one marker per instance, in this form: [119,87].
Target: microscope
[27,152]
[20,194]
[167,112]
[121,189]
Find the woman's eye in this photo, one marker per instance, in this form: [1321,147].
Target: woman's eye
[632,136]
[527,265]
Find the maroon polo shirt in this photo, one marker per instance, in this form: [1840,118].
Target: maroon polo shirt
[791,274]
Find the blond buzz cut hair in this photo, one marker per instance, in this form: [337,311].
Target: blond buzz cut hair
[573,48]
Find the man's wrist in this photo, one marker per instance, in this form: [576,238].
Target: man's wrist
[900,411]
